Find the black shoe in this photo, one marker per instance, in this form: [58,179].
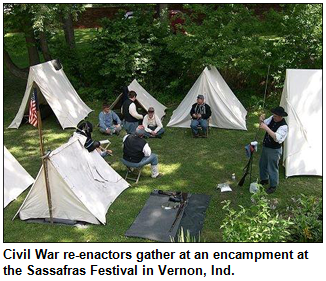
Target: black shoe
[263,182]
[271,190]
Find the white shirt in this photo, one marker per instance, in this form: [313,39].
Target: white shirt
[281,132]
[146,150]
[155,121]
[133,111]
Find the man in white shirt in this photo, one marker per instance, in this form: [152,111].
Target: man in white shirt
[137,153]
[276,131]
[152,124]
[130,114]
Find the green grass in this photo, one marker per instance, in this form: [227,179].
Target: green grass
[190,165]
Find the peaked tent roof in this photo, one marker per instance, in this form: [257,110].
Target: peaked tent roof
[302,100]
[58,93]
[83,191]
[144,99]
[16,179]
[227,111]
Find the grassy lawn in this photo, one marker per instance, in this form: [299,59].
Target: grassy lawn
[190,165]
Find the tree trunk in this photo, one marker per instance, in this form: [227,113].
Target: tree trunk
[69,30]
[45,47]
[13,68]
[160,8]
[33,55]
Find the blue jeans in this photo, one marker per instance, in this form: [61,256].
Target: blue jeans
[202,122]
[268,165]
[130,127]
[159,133]
[152,159]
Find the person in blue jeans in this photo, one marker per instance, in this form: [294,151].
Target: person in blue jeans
[200,112]
[137,153]
[109,121]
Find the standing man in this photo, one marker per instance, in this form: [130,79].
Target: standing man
[137,153]
[200,112]
[276,131]
[110,122]
[152,124]
[130,113]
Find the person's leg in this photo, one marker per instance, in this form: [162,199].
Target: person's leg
[133,127]
[263,166]
[194,123]
[152,159]
[203,123]
[160,132]
[274,159]
[102,131]
[117,129]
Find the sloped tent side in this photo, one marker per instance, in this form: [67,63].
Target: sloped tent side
[58,92]
[302,100]
[16,178]
[227,111]
[81,192]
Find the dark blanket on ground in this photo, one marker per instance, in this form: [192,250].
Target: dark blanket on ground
[154,222]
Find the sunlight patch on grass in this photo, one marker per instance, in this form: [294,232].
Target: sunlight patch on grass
[169,168]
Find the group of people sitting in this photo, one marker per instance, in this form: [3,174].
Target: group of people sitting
[136,150]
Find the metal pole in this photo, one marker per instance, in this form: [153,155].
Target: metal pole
[44,159]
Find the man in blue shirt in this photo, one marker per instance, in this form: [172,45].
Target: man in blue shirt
[110,122]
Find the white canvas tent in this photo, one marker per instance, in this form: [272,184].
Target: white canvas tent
[82,184]
[227,111]
[302,100]
[16,179]
[57,92]
[144,99]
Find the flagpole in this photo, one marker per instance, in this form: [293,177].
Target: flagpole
[43,157]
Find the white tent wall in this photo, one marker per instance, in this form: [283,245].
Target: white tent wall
[145,99]
[58,93]
[302,100]
[80,191]
[16,179]
[227,111]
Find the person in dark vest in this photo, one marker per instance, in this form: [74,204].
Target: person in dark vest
[200,112]
[276,131]
[130,114]
[137,153]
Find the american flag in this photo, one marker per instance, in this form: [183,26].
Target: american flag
[33,110]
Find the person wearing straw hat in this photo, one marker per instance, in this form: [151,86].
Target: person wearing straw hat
[276,131]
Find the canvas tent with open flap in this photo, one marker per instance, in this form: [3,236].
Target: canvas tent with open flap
[227,111]
[144,100]
[302,100]
[16,178]
[57,92]
[82,184]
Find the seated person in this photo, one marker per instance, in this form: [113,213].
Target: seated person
[137,153]
[200,112]
[152,125]
[101,150]
[109,121]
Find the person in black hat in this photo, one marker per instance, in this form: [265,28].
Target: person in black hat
[276,131]
[200,112]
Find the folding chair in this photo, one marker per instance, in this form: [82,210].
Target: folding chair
[133,173]
[201,129]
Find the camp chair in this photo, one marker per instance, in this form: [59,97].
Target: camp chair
[136,171]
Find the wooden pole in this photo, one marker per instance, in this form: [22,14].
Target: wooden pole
[44,159]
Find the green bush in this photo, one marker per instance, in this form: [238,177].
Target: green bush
[307,217]
[257,223]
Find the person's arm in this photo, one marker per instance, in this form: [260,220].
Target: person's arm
[101,121]
[133,112]
[147,150]
[208,112]
[145,124]
[192,111]
[116,118]
[281,133]
[158,124]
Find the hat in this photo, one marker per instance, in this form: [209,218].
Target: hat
[151,109]
[200,97]
[140,131]
[279,110]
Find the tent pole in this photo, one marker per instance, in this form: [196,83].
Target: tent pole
[43,157]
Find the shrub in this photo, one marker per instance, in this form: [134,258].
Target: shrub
[258,223]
